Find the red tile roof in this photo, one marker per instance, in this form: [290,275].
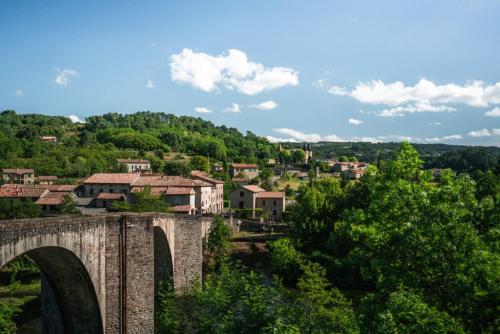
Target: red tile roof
[49,201]
[18,171]
[271,194]
[253,188]
[235,165]
[110,196]
[180,191]
[168,181]
[16,192]
[112,178]
[182,208]
[204,177]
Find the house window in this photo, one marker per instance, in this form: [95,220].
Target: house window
[111,190]
[263,202]
[100,190]
[275,213]
[241,205]
[242,194]
[274,203]
[104,204]
[91,191]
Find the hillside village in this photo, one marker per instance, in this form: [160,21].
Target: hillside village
[198,193]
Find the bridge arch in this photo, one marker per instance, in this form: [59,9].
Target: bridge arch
[163,262]
[69,300]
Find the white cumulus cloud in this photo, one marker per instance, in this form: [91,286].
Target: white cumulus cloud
[337,90]
[19,93]
[150,84]
[424,96]
[496,132]
[444,138]
[75,119]
[63,76]
[232,70]
[410,109]
[495,112]
[268,105]
[354,121]
[203,110]
[299,136]
[233,108]
[480,133]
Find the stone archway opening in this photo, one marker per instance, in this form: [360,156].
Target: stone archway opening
[68,302]
[163,264]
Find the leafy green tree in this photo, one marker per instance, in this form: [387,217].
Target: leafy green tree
[343,159]
[144,201]
[318,208]
[406,312]
[7,313]
[299,155]
[319,309]
[200,163]
[218,243]
[67,206]
[418,234]
[285,260]
[180,168]
[232,300]
[16,209]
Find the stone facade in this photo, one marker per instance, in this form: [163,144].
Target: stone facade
[19,175]
[246,171]
[104,268]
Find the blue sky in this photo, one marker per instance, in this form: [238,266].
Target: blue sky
[424,70]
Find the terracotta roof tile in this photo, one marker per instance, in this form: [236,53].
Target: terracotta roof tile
[112,178]
[181,208]
[180,191]
[110,196]
[204,177]
[49,201]
[253,188]
[168,181]
[18,171]
[271,194]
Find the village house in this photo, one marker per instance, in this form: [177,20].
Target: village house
[201,194]
[258,200]
[244,171]
[350,170]
[160,184]
[340,167]
[46,196]
[113,183]
[49,139]
[136,165]
[217,190]
[19,175]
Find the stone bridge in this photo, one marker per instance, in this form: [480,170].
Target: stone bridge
[100,273]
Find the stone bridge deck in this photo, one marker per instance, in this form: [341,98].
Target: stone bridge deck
[100,273]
